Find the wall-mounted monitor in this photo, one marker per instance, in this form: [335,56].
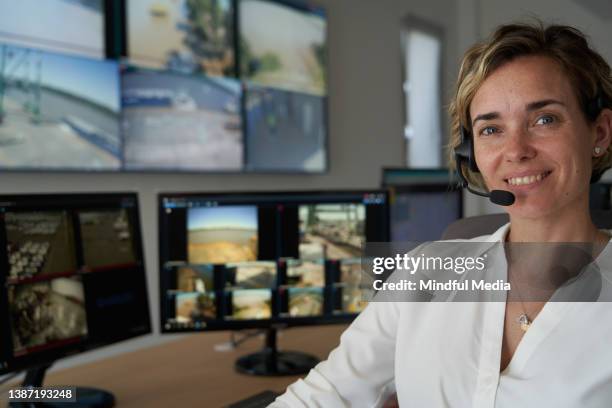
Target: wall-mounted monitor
[283,44]
[182,35]
[285,130]
[58,112]
[63,26]
[180,122]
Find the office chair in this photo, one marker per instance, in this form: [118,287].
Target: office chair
[472,227]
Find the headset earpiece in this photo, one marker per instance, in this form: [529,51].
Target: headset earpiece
[464,153]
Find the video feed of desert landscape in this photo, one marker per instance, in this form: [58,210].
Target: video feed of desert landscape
[251,304]
[220,235]
[195,278]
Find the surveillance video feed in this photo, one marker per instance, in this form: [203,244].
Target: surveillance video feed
[285,131]
[224,234]
[46,313]
[77,26]
[350,271]
[39,243]
[182,35]
[195,307]
[253,275]
[353,299]
[340,228]
[287,51]
[305,302]
[107,238]
[251,304]
[181,122]
[305,273]
[58,112]
[195,278]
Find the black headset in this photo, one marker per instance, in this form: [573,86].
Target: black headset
[464,152]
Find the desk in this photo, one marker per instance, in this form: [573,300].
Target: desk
[189,372]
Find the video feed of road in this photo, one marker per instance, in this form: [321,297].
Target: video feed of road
[305,273]
[107,238]
[224,234]
[182,35]
[78,26]
[51,120]
[195,307]
[288,51]
[39,243]
[251,304]
[195,278]
[181,122]
[305,302]
[44,314]
[339,228]
[252,275]
[285,131]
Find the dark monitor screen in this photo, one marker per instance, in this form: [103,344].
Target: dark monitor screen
[423,212]
[66,26]
[600,196]
[73,276]
[58,112]
[232,261]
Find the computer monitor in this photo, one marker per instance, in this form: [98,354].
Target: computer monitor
[181,35]
[284,68]
[265,260]
[180,122]
[424,202]
[58,112]
[72,277]
[64,26]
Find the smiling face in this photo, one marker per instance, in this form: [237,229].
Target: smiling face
[531,137]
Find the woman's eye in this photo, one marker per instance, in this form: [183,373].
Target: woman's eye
[487,131]
[545,120]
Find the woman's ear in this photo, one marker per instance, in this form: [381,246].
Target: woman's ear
[603,130]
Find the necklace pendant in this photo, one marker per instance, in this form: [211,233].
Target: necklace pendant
[524,321]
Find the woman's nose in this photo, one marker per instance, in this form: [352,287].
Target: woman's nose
[518,146]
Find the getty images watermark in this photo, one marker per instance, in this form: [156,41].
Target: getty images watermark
[485,271]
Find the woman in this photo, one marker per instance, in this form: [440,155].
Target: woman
[534,103]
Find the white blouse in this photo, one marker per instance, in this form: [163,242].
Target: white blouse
[448,355]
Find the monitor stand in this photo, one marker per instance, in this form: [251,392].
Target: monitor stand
[271,362]
[85,396]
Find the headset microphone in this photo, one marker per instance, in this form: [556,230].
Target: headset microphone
[464,154]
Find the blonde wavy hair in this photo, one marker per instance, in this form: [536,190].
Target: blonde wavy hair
[587,70]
